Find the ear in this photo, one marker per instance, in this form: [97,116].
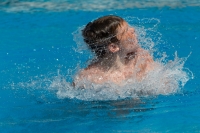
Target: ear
[113,47]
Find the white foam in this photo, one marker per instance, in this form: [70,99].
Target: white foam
[164,80]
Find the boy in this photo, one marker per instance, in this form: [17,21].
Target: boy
[118,55]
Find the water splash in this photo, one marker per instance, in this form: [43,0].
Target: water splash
[167,78]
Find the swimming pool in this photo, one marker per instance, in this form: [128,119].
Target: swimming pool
[38,51]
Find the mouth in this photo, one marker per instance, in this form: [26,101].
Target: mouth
[130,55]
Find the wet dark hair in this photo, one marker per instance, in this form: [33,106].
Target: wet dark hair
[101,32]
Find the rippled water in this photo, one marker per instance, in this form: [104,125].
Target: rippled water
[89,5]
[38,55]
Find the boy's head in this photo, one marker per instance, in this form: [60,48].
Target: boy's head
[102,32]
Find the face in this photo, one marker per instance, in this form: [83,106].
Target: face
[128,39]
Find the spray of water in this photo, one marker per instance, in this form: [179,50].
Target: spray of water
[167,78]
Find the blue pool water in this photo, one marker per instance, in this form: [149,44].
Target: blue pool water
[40,55]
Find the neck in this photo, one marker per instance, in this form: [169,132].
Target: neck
[114,61]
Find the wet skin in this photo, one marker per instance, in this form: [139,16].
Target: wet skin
[125,60]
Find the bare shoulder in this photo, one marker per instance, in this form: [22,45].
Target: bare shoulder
[80,77]
[85,73]
[91,73]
